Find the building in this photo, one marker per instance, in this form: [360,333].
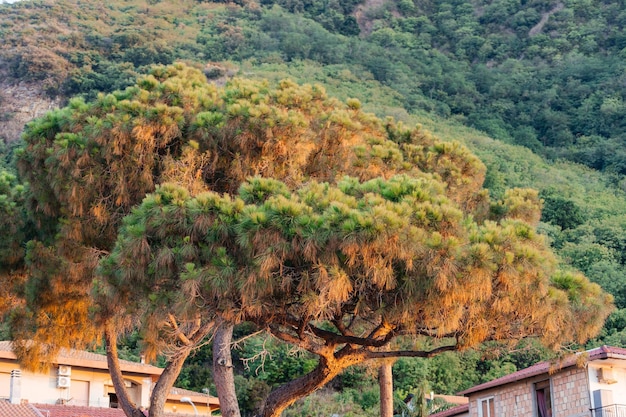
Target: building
[81,379]
[588,384]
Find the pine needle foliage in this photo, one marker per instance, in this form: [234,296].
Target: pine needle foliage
[282,206]
[13,232]
[326,252]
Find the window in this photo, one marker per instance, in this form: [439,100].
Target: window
[486,407]
[543,398]
[113,400]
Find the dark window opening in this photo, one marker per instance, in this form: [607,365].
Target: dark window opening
[544,399]
[113,401]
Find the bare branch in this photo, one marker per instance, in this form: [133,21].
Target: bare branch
[197,323]
[305,343]
[237,342]
[353,340]
[262,354]
[411,353]
[428,332]
[181,335]
[202,332]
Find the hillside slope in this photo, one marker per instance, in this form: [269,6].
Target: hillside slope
[544,74]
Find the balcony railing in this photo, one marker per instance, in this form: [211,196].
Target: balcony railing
[615,410]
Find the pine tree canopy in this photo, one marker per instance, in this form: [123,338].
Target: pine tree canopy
[395,252]
[330,228]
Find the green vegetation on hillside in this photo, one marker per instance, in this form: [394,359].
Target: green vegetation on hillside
[557,88]
[542,74]
[175,204]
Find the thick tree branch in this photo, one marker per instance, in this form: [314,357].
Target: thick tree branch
[411,353]
[305,343]
[341,327]
[286,394]
[166,381]
[384,329]
[353,340]
[113,362]
[179,334]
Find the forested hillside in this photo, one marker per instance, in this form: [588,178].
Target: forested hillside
[547,75]
[535,88]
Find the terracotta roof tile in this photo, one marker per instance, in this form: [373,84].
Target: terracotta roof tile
[603,352]
[17,410]
[53,410]
[196,397]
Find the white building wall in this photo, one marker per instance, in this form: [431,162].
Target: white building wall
[616,387]
[146,390]
[42,387]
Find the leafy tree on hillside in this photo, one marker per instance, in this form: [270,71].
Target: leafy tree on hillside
[330,229]
[561,211]
[293,261]
[411,224]
[85,177]
[13,234]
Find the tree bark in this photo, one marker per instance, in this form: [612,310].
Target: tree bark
[113,361]
[330,365]
[223,375]
[287,394]
[166,379]
[385,383]
[166,382]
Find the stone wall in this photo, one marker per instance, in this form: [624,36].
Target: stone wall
[570,396]
[570,392]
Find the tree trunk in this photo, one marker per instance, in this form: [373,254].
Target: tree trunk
[223,375]
[385,383]
[166,382]
[113,361]
[287,394]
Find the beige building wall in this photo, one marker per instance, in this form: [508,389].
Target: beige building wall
[5,379]
[186,408]
[88,387]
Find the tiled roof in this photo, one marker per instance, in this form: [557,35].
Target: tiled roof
[454,411]
[17,410]
[603,352]
[53,410]
[86,359]
[196,397]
